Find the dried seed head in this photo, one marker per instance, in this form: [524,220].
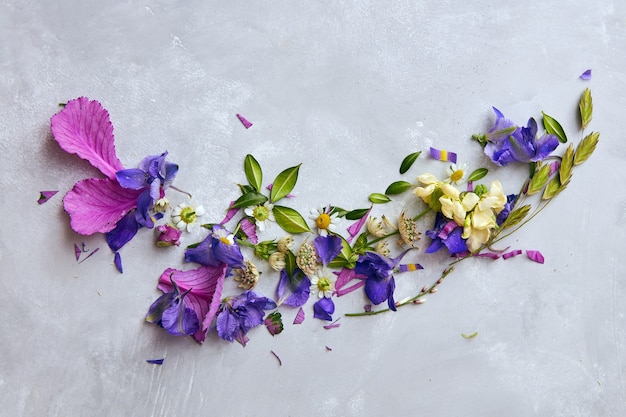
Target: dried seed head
[408,230]
[248,276]
[306,259]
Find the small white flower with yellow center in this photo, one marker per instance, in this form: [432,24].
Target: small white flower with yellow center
[262,214]
[323,284]
[323,221]
[456,174]
[184,217]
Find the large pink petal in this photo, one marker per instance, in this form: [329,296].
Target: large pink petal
[96,205]
[83,128]
[205,284]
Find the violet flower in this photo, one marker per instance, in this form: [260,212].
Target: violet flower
[506,142]
[446,233]
[218,247]
[293,290]
[322,283]
[237,315]
[170,312]
[379,284]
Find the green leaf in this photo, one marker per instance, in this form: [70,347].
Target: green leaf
[290,220]
[567,163]
[274,323]
[251,198]
[246,188]
[552,189]
[434,202]
[344,258]
[253,171]
[378,198]
[538,181]
[586,147]
[284,183]
[397,187]
[585,105]
[356,214]
[340,212]
[516,216]
[477,174]
[408,161]
[290,263]
[554,128]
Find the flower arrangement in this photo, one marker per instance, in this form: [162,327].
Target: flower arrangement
[315,261]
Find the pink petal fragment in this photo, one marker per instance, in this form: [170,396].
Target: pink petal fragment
[299,316]
[44,196]
[83,128]
[535,255]
[554,167]
[332,325]
[490,255]
[77,252]
[204,298]
[244,121]
[93,252]
[586,75]
[96,205]
[249,229]
[229,214]
[356,227]
[344,277]
[511,254]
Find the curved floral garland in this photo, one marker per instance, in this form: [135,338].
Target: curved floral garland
[468,221]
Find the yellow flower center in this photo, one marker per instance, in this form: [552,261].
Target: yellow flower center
[261,213]
[457,175]
[322,221]
[188,215]
[323,284]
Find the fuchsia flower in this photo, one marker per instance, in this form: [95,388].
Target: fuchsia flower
[97,205]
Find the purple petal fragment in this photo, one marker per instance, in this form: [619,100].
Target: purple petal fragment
[244,121]
[93,252]
[249,229]
[332,325]
[117,260]
[156,361]
[511,254]
[586,75]
[443,155]
[327,247]
[357,226]
[299,316]
[77,252]
[44,196]
[83,128]
[324,309]
[535,255]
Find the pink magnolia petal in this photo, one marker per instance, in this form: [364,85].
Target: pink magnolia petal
[96,205]
[83,128]
[204,298]
[535,255]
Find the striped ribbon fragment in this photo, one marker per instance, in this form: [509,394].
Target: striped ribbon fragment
[443,155]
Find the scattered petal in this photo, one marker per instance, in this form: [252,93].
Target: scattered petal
[249,228]
[44,196]
[156,361]
[274,323]
[280,363]
[491,255]
[332,325]
[328,349]
[535,255]
[367,308]
[443,155]
[299,317]
[229,214]
[89,256]
[358,225]
[511,254]
[117,260]
[244,121]
[77,252]
[324,309]
[586,75]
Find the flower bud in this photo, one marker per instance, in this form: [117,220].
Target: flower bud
[285,243]
[168,236]
[277,261]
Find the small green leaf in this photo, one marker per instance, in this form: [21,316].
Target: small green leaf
[290,263]
[251,198]
[356,214]
[408,161]
[585,105]
[586,147]
[340,212]
[567,163]
[469,336]
[378,198]
[290,220]
[552,189]
[554,128]
[397,187]
[538,181]
[344,257]
[274,323]
[516,216]
[478,174]
[246,188]
[434,202]
[284,183]
[253,171]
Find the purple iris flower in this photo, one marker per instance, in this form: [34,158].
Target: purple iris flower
[379,284]
[327,248]
[508,143]
[237,315]
[446,233]
[170,312]
[219,246]
[153,176]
